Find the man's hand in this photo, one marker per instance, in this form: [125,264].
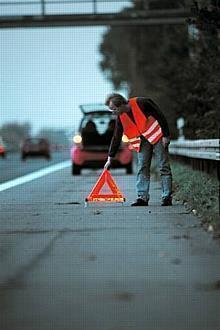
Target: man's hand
[108,163]
[165,141]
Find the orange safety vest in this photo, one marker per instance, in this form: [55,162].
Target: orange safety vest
[145,126]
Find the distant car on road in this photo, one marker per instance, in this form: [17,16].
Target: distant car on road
[2,148]
[91,143]
[35,147]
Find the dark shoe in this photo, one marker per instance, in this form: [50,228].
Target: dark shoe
[140,202]
[166,201]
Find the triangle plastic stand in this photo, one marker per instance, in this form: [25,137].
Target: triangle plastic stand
[96,196]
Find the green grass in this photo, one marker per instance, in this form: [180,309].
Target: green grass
[200,191]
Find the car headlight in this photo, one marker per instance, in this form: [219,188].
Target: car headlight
[124,138]
[77,139]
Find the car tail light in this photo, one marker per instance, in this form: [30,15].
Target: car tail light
[77,139]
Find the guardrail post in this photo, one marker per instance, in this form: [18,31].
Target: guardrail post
[180,125]
[42,7]
[94,7]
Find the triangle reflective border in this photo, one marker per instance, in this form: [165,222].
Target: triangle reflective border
[96,196]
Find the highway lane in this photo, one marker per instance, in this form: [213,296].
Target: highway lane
[12,166]
[103,267]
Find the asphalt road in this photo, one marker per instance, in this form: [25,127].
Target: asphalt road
[104,267]
[12,166]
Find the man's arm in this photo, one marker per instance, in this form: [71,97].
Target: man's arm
[115,143]
[116,139]
[150,108]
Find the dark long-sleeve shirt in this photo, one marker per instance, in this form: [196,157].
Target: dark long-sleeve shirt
[149,108]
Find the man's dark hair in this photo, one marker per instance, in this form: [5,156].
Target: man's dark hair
[116,98]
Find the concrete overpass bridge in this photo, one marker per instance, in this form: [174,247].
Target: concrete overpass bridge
[54,13]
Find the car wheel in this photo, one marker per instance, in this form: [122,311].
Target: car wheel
[129,169]
[3,155]
[76,169]
[48,157]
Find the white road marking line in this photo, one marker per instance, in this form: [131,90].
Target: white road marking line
[34,175]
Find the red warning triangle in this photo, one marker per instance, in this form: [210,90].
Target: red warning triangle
[97,196]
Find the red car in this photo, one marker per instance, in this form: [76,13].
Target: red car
[2,149]
[35,147]
[91,143]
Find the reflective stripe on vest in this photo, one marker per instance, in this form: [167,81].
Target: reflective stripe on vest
[145,126]
[153,134]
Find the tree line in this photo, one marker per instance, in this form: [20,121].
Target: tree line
[178,66]
[13,135]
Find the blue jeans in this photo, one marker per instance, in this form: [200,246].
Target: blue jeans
[143,170]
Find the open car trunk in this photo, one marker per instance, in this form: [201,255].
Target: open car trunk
[97,131]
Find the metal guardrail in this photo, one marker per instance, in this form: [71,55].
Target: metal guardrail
[199,149]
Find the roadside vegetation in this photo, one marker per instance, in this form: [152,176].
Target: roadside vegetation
[198,191]
[200,194]
[13,134]
[177,66]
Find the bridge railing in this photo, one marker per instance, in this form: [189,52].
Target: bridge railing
[47,7]
[50,13]
[203,155]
